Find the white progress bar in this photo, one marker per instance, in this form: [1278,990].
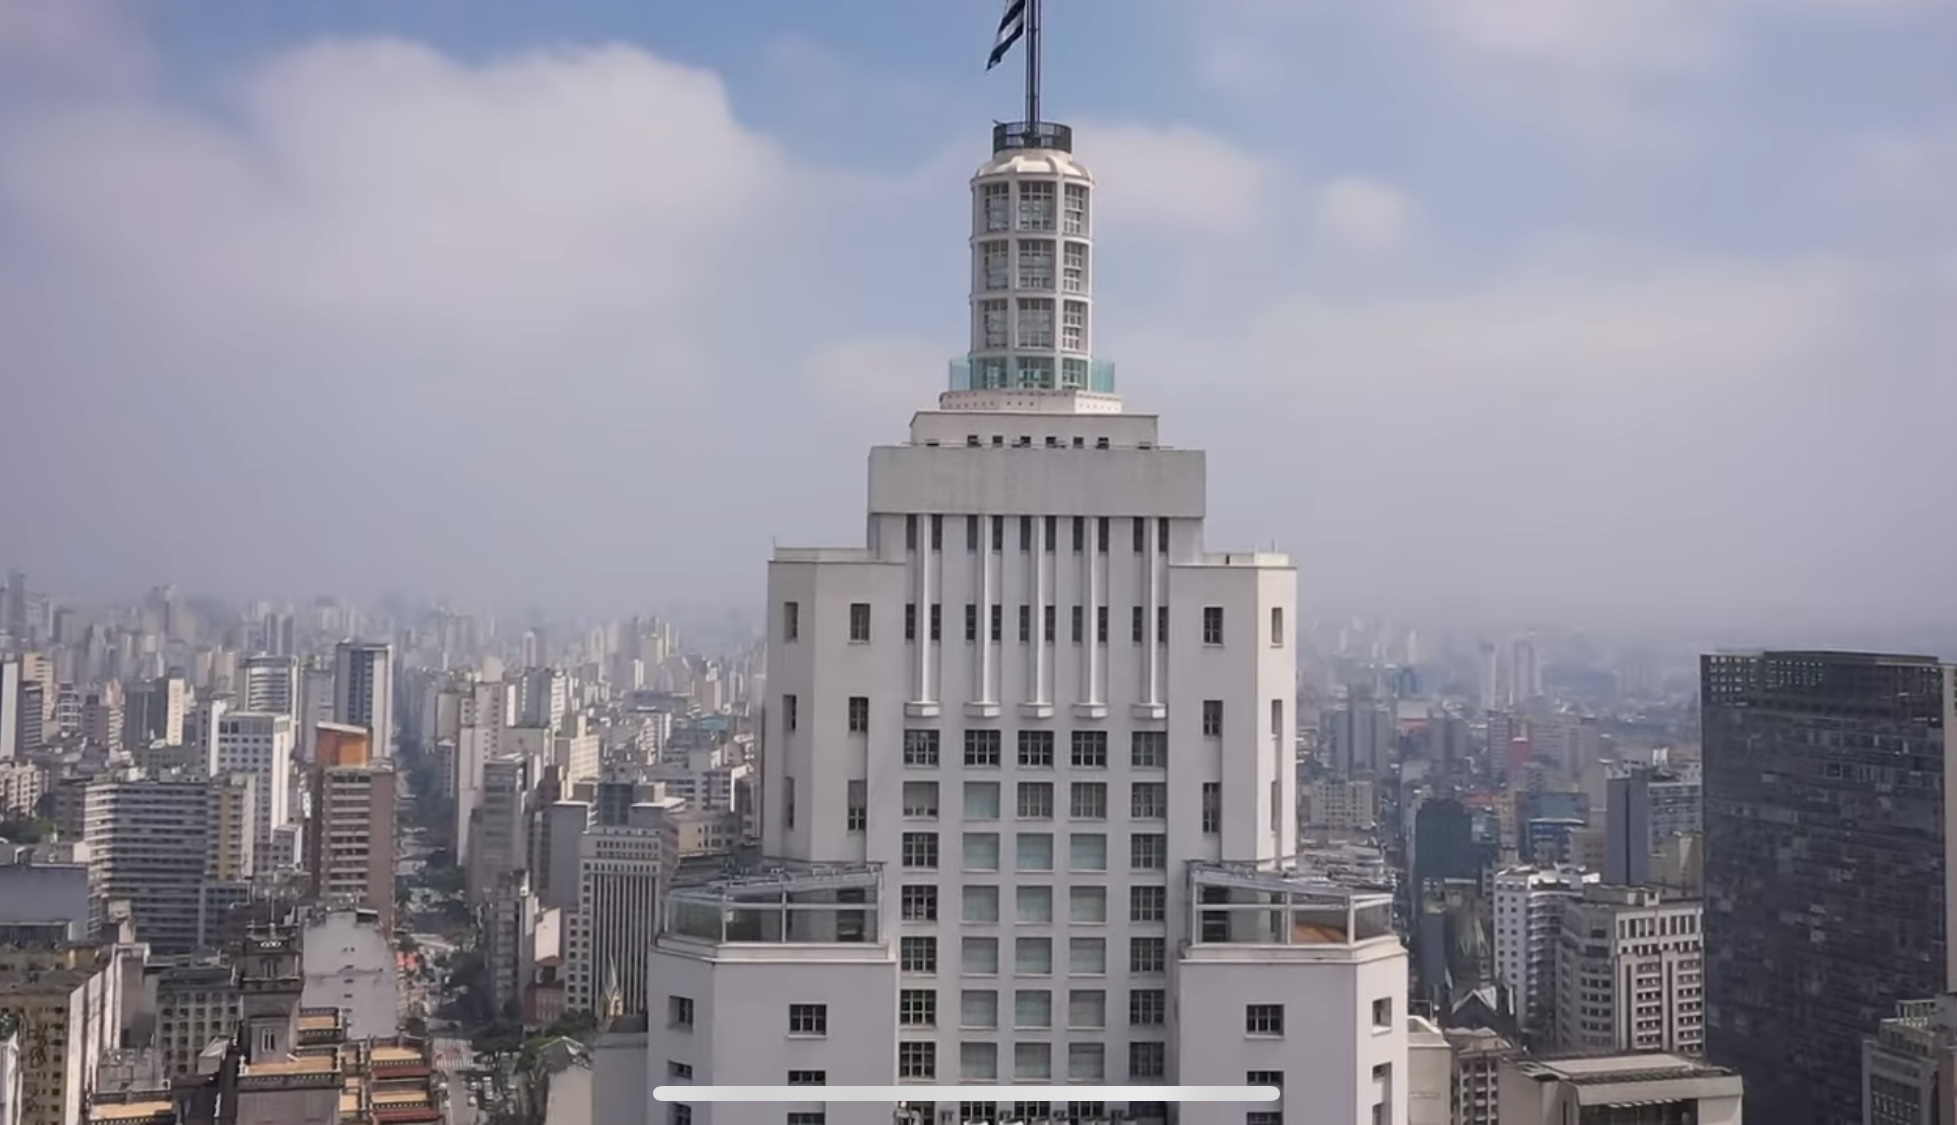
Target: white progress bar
[894,1094]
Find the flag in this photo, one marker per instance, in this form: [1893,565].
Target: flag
[1012,25]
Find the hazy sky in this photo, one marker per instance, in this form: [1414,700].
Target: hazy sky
[1620,309]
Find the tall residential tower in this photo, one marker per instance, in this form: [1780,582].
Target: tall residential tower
[1029,766]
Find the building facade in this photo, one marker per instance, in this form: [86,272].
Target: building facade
[1824,788]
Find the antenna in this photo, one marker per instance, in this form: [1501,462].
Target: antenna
[1033,65]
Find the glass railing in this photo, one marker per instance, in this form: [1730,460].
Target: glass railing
[999,373]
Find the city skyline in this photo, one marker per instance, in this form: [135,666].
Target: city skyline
[508,376]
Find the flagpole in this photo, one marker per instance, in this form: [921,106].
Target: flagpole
[1033,66]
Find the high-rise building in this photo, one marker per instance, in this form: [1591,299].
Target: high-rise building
[258,743]
[363,692]
[1909,1066]
[350,836]
[1825,862]
[10,707]
[1640,1086]
[1528,921]
[1630,973]
[621,870]
[1029,757]
[1643,809]
[162,844]
[269,684]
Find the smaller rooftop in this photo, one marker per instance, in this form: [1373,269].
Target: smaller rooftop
[1590,1070]
[160,1110]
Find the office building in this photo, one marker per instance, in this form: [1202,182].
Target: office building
[269,684]
[1645,808]
[622,870]
[1528,921]
[1027,754]
[363,692]
[1630,973]
[350,837]
[1630,1088]
[1910,1064]
[259,744]
[166,845]
[1824,781]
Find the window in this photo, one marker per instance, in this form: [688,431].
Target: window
[1033,906]
[1088,800]
[1148,904]
[1212,807]
[859,621]
[788,802]
[1080,527]
[1047,626]
[1035,205]
[1101,624]
[981,851]
[978,1009]
[978,1062]
[998,623]
[910,532]
[1276,1117]
[808,1019]
[980,956]
[791,621]
[1147,1060]
[920,851]
[1148,851]
[1212,718]
[1212,624]
[937,533]
[1264,1078]
[1148,800]
[998,526]
[1035,266]
[679,1011]
[917,1007]
[995,317]
[921,749]
[920,799]
[972,540]
[1032,1008]
[982,749]
[1073,216]
[1090,749]
[1087,1062]
[1140,537]
[679,1114]
[1277,626]
[1383,1012]
[917,1059]
[1087,956]
[1161,624]
[679,1071]
[1032,956]
[1035,800]
[981,800]
[937,621]
[859,714]
[1033,851]
[1025,540]
[1032,1062]
[1073,268]
[1087,1008]
[808,1078]
[1148,749]
[791,713]
[856,805]
[1035,749]
[1148,1007]
[1036,322]
[1079,617]
[997,199]
[1263,1019]
[1146,954]
[918,954]
[1137,620]
[971,621]
[1087,851]
[1025,624]
[910,621]
[919,902]
[1087,905]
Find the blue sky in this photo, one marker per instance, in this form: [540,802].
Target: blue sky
[1622,310]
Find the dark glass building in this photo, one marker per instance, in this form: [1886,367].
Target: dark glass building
[1824,866]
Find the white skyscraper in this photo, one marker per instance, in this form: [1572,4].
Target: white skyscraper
[1028,777]
[258,743]
[269,684]
[363,691]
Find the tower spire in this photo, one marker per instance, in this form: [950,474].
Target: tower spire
[1033,63]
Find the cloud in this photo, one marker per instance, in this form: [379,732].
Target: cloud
[1177,180]
[1363,216]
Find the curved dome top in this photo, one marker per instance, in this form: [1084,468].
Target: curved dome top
[1035,162]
